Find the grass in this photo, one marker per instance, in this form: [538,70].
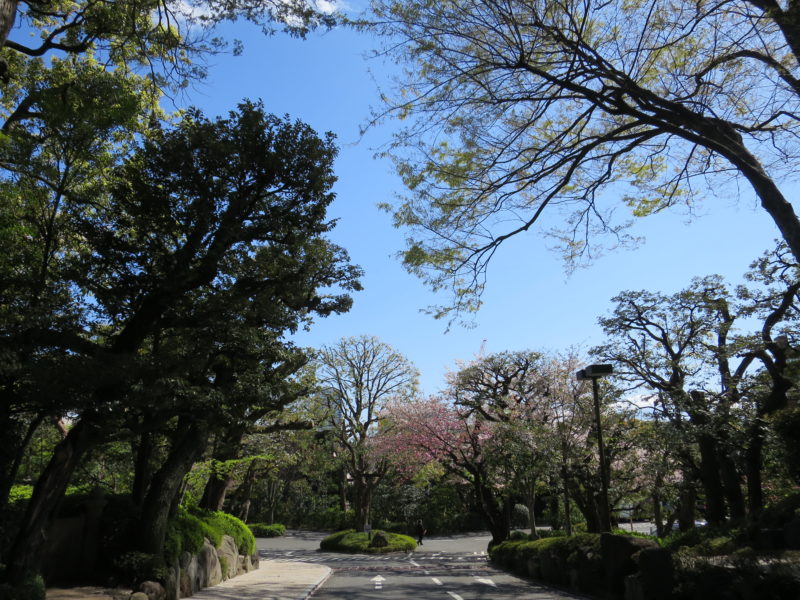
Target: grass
[358,542]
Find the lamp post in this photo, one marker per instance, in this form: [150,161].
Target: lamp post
[595,372]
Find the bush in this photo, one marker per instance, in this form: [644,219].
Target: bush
[136,567]
[550,534]
[32,588]
[553,558]
[783,511]
[264,530]
[352,541]
[637,534]
[786,425]
[186,532]
[225,524]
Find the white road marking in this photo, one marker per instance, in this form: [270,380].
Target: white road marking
[455,596]
[486,581]
[378,580]
[436,581]
[414,563]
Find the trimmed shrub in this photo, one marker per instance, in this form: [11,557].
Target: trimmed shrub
[352,541]
[224,524]
[185,533]
[566,561]
[264,530]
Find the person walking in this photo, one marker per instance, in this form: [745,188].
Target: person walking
[420,532]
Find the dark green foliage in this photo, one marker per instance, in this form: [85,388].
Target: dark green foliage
[32,588]
[781,512]
[185,533]
[225,524]
[264,530]
[637,534]
[551,533]
[553,559]
[518,535]
[519,549]
[136,567]
[352,541]
[735,580]
[702,538]
[786,424]
[329,519]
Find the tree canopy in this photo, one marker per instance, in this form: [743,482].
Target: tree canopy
[529,110]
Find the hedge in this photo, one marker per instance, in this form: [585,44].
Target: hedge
[265,530]
[352,541]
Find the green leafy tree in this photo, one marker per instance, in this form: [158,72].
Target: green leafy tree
[686,347]
[521,109]
[208,229]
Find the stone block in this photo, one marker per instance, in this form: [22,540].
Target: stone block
[228,550]
[153,590]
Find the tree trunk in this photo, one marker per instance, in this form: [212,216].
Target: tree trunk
[753,461]
[241,498]
[362,500]
[494,514]
[658,515]
[143,468]
[710,479]
[216,491]
[166,485]
[733,487]
[565,482]
[8,13]
[12,452]
[227,448]
[26,552]
[688,496]
[532,509]
[342,483]
[772,200]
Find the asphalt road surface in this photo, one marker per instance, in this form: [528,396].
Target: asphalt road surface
[443,568]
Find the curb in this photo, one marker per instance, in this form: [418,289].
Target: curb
[313,588]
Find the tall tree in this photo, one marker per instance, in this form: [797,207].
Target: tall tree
[686,346]
[527,107]
[359,377]
[208,228]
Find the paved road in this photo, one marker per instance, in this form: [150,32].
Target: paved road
[443,568]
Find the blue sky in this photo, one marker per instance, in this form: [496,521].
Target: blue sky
[530,302]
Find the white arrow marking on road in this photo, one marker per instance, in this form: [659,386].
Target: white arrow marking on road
[455,596]
[378,581]
[486,581]
[436,581]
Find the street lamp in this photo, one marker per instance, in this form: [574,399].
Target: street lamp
[595,372]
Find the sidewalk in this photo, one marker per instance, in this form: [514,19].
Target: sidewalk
[273,580]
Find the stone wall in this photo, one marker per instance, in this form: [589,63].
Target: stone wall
[193,572]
